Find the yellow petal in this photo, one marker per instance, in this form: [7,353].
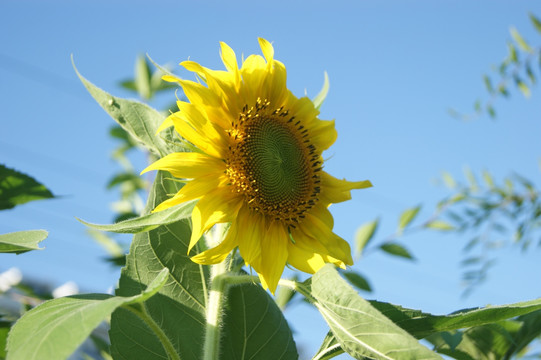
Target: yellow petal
[168,122]
[308,255]
[200,140]
[188,165]
[267,49]
[218,206]
[192,190]
[217,254]
[250,230]
[334,190]
[323,134]
[335,245]
[273,255]
[230,61]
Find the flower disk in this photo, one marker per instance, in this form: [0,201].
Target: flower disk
[273,164]
[258,167]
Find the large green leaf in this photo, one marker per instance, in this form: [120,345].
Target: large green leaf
[138,119]
[421,324]
[149,221]
[254,327]
[54,329]
[179,308]
[361,330]
[22,241]
[17,188]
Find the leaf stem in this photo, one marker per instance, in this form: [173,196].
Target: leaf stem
[142,313]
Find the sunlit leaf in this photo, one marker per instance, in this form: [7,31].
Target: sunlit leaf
[491,111]
[142,77]
[139,120]
[22,241]
[320,97]
[149,221]
[448,180]
[513,56]
[440,225]
[396,250]
[364,235]
[361,330]
[54,329]
[522,44]
[17,188]
[522,87]
[488,84]
[407,217]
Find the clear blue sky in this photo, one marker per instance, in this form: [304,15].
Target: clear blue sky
[394,67]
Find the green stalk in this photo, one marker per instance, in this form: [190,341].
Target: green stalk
[211,349]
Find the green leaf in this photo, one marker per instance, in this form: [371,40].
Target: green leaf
[486,342]
[421,324]
[491,111]
[470,176]
[139,120]
[361,330]
[56,328]
[147,222]
[17,188]
[489,180]
[128,85]
[357,280]
[396,250]
[329,349]
[133,178]
[488,84]
[364,235]
[179,309]
[407,217]
[254,327]
[448,180]
[320,97]
[522,44]
[142,77]
[440,225]
[513,56]
[531,75]
[22,241]
[536,22]
[522,87]
[4,329]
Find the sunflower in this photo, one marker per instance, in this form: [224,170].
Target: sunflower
[258,166]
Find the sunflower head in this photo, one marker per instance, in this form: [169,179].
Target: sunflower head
[258,167]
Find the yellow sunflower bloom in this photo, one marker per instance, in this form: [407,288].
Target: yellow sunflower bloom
[259,168]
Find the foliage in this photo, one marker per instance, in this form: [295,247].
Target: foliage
[519,69]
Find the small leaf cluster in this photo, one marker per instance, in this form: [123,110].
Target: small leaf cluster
[494,215]
[520,69]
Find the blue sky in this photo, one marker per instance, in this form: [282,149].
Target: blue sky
[394,68]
